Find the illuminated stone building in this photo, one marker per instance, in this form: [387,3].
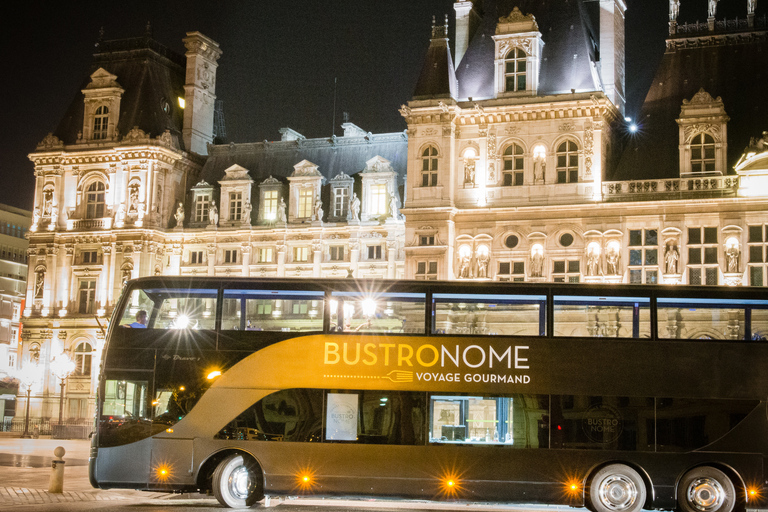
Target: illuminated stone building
[517,165]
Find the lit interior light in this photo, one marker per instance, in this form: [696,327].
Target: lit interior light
[182,388]
[182,102]
[155,402]
[213,374]
[334,306]
[182,322]
[369,307]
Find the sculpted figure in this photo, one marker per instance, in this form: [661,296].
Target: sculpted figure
[281,217]
[354,208]
[751,5]
[674,9]
[247,207]
[612,260]
[179,215]
[39,284]
[482,264]
[593,263]
[537,264]
[732,257]
[318,210]
[712,8]
[539,166]
[464,266]
[213,214]
[393,206]
[671,258]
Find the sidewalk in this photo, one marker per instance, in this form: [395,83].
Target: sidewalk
[25,471]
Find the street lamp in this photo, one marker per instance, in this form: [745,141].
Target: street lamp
[28,376]
[62,366]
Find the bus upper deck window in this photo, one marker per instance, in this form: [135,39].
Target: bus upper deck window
[392,312]
[602,316]
[489,314]
[272,310]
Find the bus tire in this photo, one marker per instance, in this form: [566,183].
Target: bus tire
[617,488]
[706,489]
[237,482]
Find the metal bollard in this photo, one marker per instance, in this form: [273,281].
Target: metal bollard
[56,484]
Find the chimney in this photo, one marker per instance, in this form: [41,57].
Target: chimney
[199,91]
[463,29]
[612,67]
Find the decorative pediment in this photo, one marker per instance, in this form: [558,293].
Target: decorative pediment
[702,97]
[270,181]
[305,168]
[102,79]
[517,22]
[236,173]
[202,184]
[342,178]
[136,135]
[378,164]
[50,141]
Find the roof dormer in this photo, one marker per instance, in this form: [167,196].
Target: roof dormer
[517,57]
[102,107]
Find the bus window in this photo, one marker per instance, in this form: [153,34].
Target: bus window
[511,315]
[166,308]
[139,301]
[272,310]
[612,317]
[759,325]
[376,417]
[124,416]
[704,319]
[519,420]
[377,312]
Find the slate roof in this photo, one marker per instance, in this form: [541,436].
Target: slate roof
[149,73]
[437,78]
[569,30]
[732,65]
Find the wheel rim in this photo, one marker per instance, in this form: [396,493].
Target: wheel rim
[706,494]
[618,492]
[238,483]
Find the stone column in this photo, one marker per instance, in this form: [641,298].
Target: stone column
[245,250]
[280,259]
[317,258]
[391,259]
[354,256]
[211,259]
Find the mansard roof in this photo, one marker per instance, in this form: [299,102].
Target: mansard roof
[331,155]
[437,78]
[150,74]
[569,30]
[732,65]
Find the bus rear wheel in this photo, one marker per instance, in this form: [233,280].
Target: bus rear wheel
[617,488]
[706,489]
[237,482]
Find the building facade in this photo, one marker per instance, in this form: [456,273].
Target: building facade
[517,164]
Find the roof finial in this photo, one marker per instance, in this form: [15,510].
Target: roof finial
[148,29]
[100,38]
[433,25]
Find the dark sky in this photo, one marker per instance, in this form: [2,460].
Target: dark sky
[278,67]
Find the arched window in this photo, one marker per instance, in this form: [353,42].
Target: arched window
[429,167]
[83,359]
[702,153]
[515,70]
[94,200]
[100,122]
[567,162]
[513,165]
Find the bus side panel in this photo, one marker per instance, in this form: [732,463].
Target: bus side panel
[171,465]
[124,466]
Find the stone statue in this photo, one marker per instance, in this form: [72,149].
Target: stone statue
[712,8]
[537,264]
[469,172]
[120,216]
[751,5]
[393,206]
[247,207]
[133,199]
[39,283]
[54,217]
[732,258]
[593,262]
[318,210]
[35,217]
[671,258]
[612,261]
[482,264]
[281,217]
[464,266]
[179,215]
[539,167]
[354,208]
[674,9]
[213,214]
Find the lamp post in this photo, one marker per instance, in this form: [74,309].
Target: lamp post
[62,367]
[27,377]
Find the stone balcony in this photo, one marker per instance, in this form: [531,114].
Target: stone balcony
[687,187]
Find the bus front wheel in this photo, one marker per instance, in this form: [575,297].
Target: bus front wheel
[237,482]
[706,489]
[617,488]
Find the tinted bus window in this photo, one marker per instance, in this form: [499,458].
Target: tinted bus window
[171,309]
[377,312]
[759,325]
[521,421]
[713,319]
[124,416]
[272,310]
[612,317]
[511,315]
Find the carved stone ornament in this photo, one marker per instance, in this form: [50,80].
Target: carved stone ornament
[567,126]
[491,143]
[428,132]
[516,16]
[512,130]
[694,129]
[588,150]
[702,97]
[405,110]
[524,43]
[50,141]
[136,135]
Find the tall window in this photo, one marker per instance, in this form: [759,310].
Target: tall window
[429,167]
[83,359]
[100,123]
[566,271]
[515,70]
[757,245]
[201,207]
[513,165]
[336,252]
[426,270]
[196,257]
[270,204]
[89,257]
[86,300]
[235,205]
[702,256]
[567,162]
[305,203]
[94,200]
[702,153]
[378,199]
[265,255]
[230,256]
[374,252]
[340,201]
[643,256]
[511,271]
[301,254]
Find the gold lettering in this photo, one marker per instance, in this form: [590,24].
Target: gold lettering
[386,347]
[427,347]
[403,358]
[357,354]
[367,348]
[331,349]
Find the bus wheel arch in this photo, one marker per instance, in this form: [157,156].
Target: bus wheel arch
[235,478]
[710,488]
[617,487]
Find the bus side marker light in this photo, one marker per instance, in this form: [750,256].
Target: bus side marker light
[169,430]
[164,472]
[213,374]
[753,493]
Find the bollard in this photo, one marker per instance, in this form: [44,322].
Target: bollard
[56,484]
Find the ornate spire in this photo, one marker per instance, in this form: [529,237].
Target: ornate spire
[440,32]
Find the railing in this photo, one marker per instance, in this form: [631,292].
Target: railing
[721,26]
[71,429]
[83,224]
[720,185]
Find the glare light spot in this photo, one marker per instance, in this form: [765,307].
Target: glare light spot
[450,483]
[213,374]
[169,430]
[633,128]
[182,388]
[182,102]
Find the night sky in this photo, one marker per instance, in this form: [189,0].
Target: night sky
[278,67]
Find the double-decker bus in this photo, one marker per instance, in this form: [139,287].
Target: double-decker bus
[616,398]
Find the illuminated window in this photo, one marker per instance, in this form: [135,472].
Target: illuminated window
[94,200]
[567,162]
[566,271]
[513,165]
[100,123]
[757,246]
[202,205]
[306,196]
[270,204]
[340,202]
[515,70]
[83,359]
[265,255]
[429,167]
[643,256]
[378,199]
[426,270]
[301,254]
[235,205]
[702,153]
[87,296]
[702,256]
